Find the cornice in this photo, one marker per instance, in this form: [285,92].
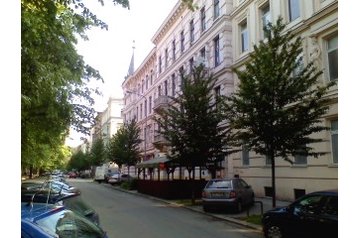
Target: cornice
[173,17]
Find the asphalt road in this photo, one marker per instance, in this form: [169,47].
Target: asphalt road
[124,215]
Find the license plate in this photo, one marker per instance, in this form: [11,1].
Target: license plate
[217,194]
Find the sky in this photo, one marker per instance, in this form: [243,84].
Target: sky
[110,51]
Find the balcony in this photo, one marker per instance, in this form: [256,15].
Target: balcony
[160,142]
[161,103]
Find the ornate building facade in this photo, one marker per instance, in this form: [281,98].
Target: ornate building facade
[221,34]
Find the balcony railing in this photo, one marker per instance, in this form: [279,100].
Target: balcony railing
[161,102]
[159,139]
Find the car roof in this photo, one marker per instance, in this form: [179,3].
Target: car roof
[37,211]
[325,192]
[41,196]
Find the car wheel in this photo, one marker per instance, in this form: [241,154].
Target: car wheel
[205,208]
[273,231]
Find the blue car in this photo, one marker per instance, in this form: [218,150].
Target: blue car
[313,215]
[41,220]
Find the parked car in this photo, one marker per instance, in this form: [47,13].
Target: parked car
[234,193]
[55,185]
[312,215]
[41,220]
[72,175]
[71,201]
[110,174]
[118,178]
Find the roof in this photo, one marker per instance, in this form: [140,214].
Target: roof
[36,211]
[153,163]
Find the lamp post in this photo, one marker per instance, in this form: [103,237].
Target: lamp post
[145,121]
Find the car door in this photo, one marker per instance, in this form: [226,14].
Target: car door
[327,221]
[243,191]
[303,217]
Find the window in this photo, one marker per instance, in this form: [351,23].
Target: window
[191,31]
[244,37]
[145,108]
[294,9]
[216,51]
[216,9]
[191,65]
[143,86]
[301,158]
[151,77]
[173,85]
[265,18]
[310,205]
[202,19]
[217,95]
[202,58]
[202,53]
[150,104]
[173,49]
[245,156]
[159,90]
[182,42]
[181,71]
[166,88]
[146,81]
[334,140]
[160,64]
[166,57]
[141,111]
[267,160]
[332,54]
[299,65]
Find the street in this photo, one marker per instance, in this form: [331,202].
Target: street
[127,215]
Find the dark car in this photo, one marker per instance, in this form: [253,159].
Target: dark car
[234,193]
[312,215]
[41,220]
[71,201]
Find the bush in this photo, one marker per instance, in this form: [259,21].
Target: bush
[129,185]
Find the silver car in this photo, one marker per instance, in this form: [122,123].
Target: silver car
[234,193]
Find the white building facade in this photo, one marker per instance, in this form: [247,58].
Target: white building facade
[221,34]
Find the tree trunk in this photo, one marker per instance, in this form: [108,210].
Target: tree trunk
[192,180]
[31,172]
[273,178]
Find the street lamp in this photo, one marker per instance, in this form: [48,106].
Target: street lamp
[145,121]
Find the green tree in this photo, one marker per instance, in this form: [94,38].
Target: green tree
[54,78]
[193,123]
[123,147]
[98,153]
[79,161]
[279,102]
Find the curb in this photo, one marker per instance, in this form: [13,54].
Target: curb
[227,219]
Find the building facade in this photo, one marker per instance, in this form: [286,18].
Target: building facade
[221,34]
[108,121]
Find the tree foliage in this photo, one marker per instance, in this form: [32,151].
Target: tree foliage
[54,78]
[279,102]
[79,161]
[98,153]
[123,147]
[193,122]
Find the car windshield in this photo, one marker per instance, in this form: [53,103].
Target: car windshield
[219,184]
[77,204]
[68,224]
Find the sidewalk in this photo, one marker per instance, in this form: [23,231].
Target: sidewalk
[233,218]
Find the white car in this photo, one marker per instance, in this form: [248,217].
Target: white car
[119,178]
